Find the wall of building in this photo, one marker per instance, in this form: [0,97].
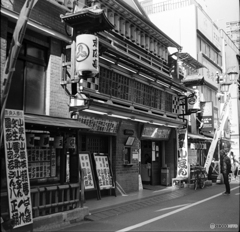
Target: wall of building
[180,25]
[127,176]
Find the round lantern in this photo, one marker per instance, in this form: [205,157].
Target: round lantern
[87,56]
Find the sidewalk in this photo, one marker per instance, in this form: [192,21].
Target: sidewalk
[110,205]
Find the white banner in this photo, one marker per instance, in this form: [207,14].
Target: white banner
[222,120]
[182,150]
[19,195]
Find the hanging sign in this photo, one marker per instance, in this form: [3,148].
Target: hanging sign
[19,195]
[207,116]
[194,102]
[87,59]
[182,145]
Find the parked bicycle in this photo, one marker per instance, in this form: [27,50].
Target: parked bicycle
[199,176]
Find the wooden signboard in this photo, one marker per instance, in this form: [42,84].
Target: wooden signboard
[18,185]
[86,166]
[103,172]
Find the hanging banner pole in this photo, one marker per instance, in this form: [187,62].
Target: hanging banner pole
[222,120]
[18,35]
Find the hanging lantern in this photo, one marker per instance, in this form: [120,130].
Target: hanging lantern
[58,142]
[44,140]
[87,57]
[30,140]
[192,146]
[71,142]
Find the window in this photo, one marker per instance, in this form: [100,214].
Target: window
[27,91]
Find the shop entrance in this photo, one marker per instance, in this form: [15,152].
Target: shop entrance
[151,162]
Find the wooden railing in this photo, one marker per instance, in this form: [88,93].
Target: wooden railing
[50,199]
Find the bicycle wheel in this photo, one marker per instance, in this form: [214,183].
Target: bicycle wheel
[202,183]
[196,184]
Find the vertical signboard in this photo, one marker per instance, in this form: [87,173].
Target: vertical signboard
[18,185]
[207,116]
[182,152]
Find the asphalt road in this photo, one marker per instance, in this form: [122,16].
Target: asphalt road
[204,210]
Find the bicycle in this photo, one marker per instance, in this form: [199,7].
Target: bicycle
[199,176]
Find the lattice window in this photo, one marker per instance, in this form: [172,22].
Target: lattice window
[122,87]
[168,102]
[97,144]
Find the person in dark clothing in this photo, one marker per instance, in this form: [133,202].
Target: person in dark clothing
[225,164]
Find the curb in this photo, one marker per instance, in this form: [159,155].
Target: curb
[122,208]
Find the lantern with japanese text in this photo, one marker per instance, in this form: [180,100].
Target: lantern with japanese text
[71,143]
[58,142]
[87,57]
[44,140]
[30,140]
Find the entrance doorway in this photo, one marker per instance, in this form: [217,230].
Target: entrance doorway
[151,161]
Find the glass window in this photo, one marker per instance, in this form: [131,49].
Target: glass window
[15,96]
[35,52]
[35,83]
[27,90]
[199,44]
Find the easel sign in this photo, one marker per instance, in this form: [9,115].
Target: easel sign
[87,170]
[103,172]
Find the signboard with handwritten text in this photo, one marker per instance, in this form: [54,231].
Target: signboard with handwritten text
[104,174]
[18,185]
[86,166]
[161,133]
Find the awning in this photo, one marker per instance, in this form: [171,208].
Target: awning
[194,136]
[54,121]
[193,80]
[188,59]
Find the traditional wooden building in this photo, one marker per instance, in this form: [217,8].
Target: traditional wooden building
[131,107]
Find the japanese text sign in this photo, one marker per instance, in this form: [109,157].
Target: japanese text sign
[182,150]
[19,197]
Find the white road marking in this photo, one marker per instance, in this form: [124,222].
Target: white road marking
[237,193]
[170,213]
[173,207]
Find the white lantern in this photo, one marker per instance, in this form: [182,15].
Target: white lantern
[87,53]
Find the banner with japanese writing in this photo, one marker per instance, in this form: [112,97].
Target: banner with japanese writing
[182,150]
[18,185]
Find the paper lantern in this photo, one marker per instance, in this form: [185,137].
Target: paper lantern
[58,142]
[44,140]
[71,142]
[30,140]
[192,146]
[87,57]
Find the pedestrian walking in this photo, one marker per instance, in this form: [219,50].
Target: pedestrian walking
[225,164]
[235,164]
